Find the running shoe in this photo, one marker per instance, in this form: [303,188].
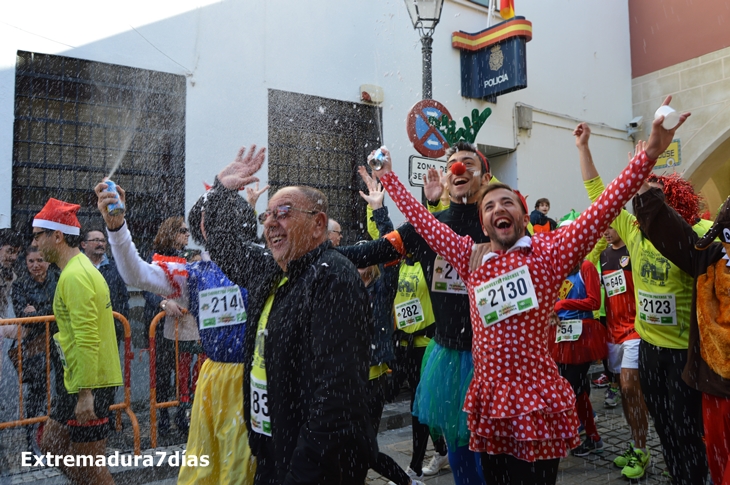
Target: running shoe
[637,464]
[601,382]
[613,397]
[413,475]
[415,479]
[437,463]
[589,446]
[623,460]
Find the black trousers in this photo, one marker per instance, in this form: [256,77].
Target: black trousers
[384,464]
[350,467]
[407,366]
[677,412]
[506,469]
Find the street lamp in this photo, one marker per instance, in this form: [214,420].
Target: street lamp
[425,14]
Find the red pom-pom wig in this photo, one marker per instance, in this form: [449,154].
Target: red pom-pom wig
[680,195]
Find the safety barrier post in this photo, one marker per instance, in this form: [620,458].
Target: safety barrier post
[128,355]
[154,405]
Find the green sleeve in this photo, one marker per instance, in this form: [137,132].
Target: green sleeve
[372,227]
[439,207]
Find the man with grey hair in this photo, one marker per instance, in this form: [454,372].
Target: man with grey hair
[334,232]
[307,337]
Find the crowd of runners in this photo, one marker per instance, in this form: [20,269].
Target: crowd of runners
[491,313]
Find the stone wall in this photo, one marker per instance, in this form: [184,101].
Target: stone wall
[702,86]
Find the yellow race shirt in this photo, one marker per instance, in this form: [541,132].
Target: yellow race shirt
[663,292]
[86,339]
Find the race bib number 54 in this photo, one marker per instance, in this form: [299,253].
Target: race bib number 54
[220,307]
[507,295]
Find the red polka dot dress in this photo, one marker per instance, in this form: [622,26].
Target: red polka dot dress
[518,404]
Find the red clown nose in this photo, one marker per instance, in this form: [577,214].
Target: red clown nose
[458,168]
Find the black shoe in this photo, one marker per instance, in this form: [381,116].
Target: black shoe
[588,446]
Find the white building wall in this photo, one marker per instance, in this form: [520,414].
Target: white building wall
[233,52]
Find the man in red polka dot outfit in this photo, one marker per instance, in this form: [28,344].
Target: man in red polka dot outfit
[521,411]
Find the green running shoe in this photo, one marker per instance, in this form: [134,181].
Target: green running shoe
[635,468]
[623,460]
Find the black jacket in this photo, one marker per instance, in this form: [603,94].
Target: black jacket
[317,350]
[118,293]
[453,323]
[27,291]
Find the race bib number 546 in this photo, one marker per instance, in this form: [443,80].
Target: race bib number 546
[507,295]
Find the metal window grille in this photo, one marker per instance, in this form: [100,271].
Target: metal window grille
[74,119]
[320,142]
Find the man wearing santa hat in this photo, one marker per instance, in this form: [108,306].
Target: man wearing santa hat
[86,344]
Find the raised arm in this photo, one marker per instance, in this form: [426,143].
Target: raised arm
[577,239]
[440,237]
[133,269]
[667,231]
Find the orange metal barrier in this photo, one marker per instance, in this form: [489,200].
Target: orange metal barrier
[126,405]
[154,405]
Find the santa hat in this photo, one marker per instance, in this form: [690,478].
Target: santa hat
[58,215]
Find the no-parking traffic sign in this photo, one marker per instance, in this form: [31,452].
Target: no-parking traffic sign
[426,139]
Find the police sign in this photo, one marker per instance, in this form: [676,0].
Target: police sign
[418,166]
[493,61]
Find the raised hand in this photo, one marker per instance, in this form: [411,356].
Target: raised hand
[660,137]
[582,134]
[253,194]
[387,164]
[376,193]
[239,173]
[433,186]
[104,198]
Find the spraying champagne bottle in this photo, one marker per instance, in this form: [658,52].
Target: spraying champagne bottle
[117,208]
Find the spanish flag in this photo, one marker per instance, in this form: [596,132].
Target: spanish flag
[507,9]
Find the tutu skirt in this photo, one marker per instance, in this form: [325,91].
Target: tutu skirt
[445,378]
[591,345]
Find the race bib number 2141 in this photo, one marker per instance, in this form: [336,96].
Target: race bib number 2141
[220,307]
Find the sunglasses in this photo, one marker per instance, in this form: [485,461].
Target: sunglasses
[183,230]
[282,212]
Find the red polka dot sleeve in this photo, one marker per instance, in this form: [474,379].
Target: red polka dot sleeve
[577,239]
[441,238]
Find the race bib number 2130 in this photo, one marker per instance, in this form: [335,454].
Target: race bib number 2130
[507,295]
